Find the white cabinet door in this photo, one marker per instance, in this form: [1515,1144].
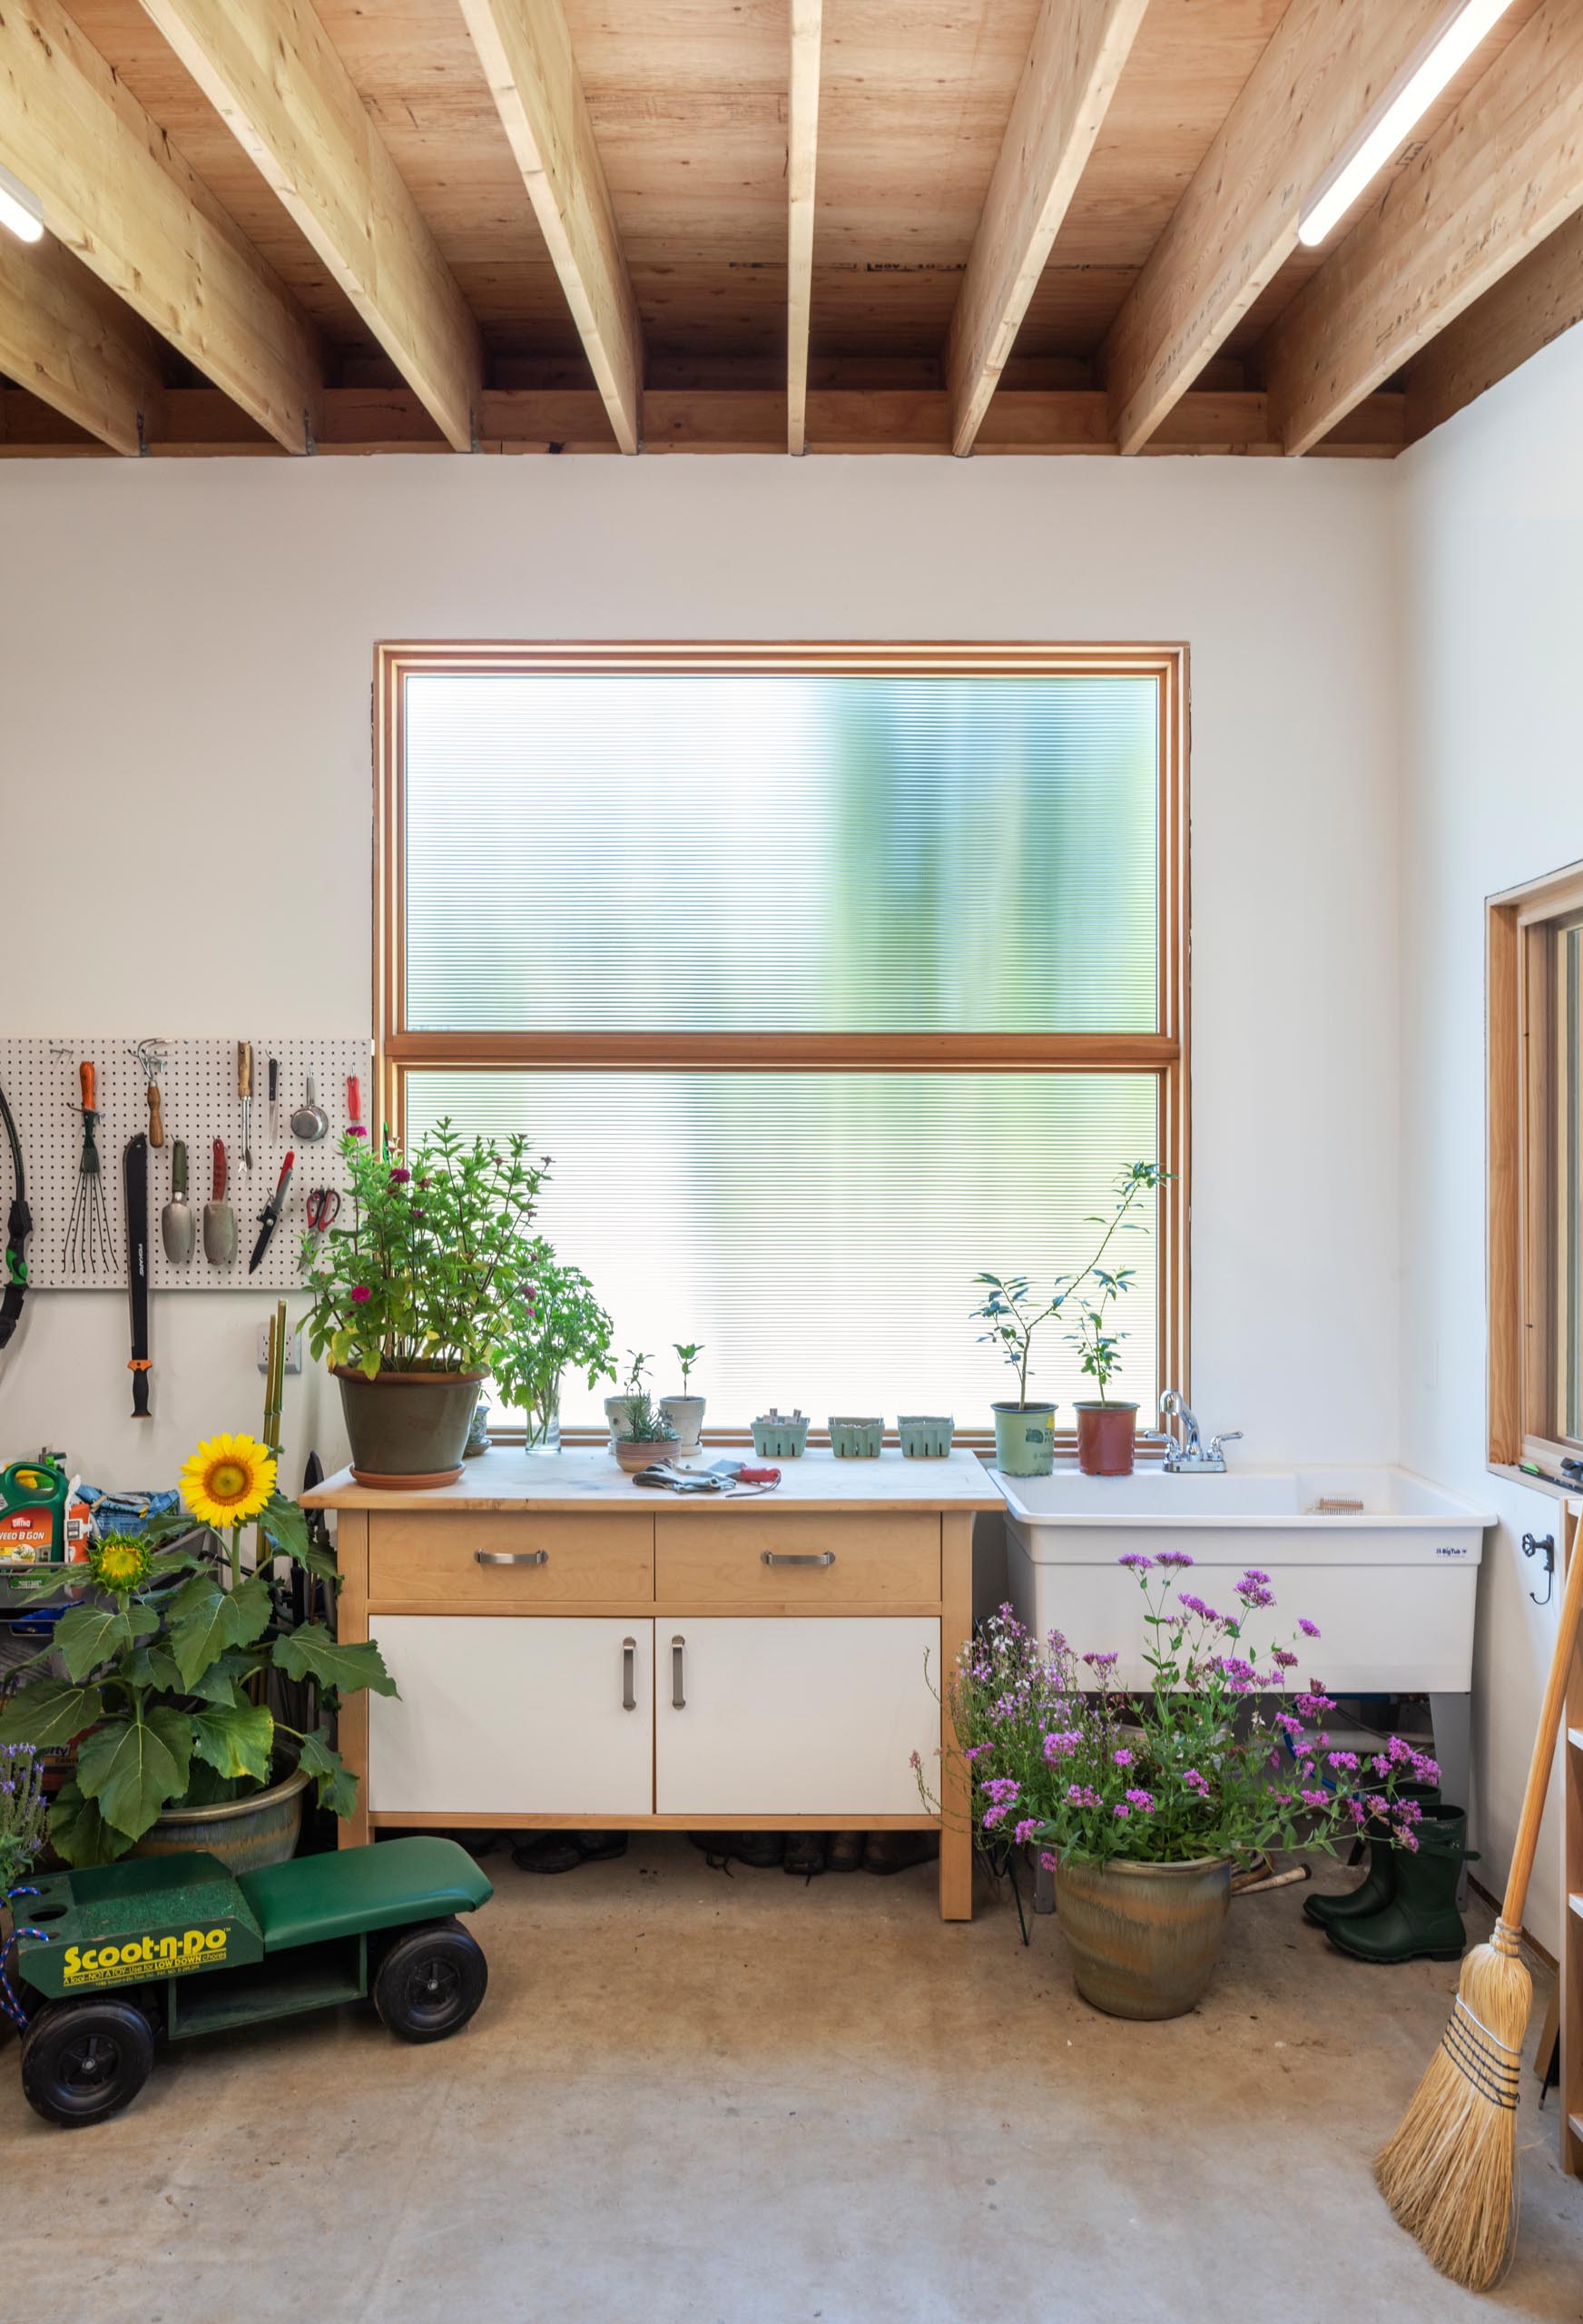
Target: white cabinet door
[794,1717]
[523,1717]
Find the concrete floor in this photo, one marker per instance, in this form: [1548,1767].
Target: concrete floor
[695,2099]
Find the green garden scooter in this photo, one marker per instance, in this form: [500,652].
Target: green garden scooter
[119,1954]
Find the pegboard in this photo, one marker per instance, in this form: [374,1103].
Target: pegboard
[198,1094]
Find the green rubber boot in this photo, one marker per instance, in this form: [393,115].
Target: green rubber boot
[1378,1886]
[1422,1922]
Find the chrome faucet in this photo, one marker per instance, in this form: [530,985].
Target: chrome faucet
[1184,1452]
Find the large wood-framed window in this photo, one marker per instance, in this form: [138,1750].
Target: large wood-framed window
[1535,1048]
[829,975]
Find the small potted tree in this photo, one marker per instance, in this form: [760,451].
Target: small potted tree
[686,1411]
[411,1300]
[554,1325]
[1108,1429]
[1025,1432]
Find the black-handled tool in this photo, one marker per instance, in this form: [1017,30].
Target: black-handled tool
[136,1178]
[269,1216]
[18,1227]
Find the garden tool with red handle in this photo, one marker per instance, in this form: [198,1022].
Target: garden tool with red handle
[219,1218]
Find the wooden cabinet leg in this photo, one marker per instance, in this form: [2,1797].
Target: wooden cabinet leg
[351,1622]
[955,1858]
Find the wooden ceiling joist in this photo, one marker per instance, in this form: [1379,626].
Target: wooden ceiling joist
[1505,171]
[801,162]
[1539,298]
[269,69]
[525,50]
[74,344]
[1325,66]
[117,194]
[1058,423]
[1074,63]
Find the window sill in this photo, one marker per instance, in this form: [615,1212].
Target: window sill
[1552,1488]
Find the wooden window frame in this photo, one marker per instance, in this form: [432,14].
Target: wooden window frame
[1520,928]
[399,1049]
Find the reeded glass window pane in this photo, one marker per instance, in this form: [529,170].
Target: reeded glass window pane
[819,1232]
[795,852]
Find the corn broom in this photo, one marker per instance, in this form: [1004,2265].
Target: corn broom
[1450,2175]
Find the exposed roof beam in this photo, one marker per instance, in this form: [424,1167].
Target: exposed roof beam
[271,73]
[1503,173]
[74,343]
[116,192]
[1535,303]
[802,158]
[1074,63]
[1325,66]
[1063,423]
[526,51]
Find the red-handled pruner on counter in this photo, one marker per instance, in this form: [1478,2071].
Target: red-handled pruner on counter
[269,1216]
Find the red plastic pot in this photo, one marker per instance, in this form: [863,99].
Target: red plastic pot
[1105,1435]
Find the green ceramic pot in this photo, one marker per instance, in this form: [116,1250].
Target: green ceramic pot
[856,1440]
[925,1437]
[1144,1937]
[1024,1439]
[408,1429]
[246,1835]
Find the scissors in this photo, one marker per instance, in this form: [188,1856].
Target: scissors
[323,1208]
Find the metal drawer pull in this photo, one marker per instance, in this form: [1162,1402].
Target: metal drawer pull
[678,1697]
[779,1557]
[628,1670]
[511,1557]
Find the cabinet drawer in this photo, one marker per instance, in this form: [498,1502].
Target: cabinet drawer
[415,1559]
[883,1559]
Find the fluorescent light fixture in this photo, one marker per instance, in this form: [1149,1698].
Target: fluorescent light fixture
[20,208]
[1441,54]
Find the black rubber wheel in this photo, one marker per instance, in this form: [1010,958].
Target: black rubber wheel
[430,1982]
[83,2060]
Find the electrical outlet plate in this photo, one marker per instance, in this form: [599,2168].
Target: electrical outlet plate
[293,1349]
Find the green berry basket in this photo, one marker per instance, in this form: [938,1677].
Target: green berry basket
[856,1440]
[925,1436]
[780,1436]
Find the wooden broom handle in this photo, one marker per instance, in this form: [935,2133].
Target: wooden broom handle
[1544,1751]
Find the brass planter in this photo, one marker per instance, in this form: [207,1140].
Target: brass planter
[244,1834]
[1144,1937]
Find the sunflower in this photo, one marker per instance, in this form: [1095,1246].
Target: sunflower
[119,1562]
[227,1480]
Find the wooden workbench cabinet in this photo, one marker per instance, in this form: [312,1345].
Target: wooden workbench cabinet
[572,1650]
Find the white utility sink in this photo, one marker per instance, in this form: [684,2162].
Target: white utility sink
[1391,1587]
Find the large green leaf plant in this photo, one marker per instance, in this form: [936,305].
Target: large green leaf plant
[158,1674]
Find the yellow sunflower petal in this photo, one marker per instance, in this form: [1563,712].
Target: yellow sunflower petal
[227,1480]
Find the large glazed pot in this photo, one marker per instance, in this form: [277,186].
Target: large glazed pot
[1144,1937]
[1024,1439]
[407,1428]
[244,1834]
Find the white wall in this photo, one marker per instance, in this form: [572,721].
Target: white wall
[185,659]
[1493,549]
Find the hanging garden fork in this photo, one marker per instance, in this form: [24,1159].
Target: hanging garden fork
[89,1250]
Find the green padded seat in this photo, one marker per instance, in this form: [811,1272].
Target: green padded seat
[316,1897]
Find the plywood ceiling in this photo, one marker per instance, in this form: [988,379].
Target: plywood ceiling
[688,102]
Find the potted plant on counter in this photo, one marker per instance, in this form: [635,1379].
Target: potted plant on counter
[686,1411]
[554,1325]
[1144,1804]
[411,1300]
[160,1683]
[617,1408]
[645,1435]
[1025,1431]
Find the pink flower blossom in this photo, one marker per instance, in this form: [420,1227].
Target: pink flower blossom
[360,1295]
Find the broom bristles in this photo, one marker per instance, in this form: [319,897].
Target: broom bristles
[1450,2175]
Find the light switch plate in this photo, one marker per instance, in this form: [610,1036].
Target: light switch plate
[293,1349]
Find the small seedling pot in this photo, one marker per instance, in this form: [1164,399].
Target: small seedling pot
[685,1414]
[777,1437]
[616,1409]
[856,1440]
[1105,1437]
[1024,1439]
[924,1437]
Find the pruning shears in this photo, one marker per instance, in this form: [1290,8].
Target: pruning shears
[269,1216]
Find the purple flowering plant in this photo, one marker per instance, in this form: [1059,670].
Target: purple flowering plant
[1216,1758]
[23,1812]
[424,1276]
